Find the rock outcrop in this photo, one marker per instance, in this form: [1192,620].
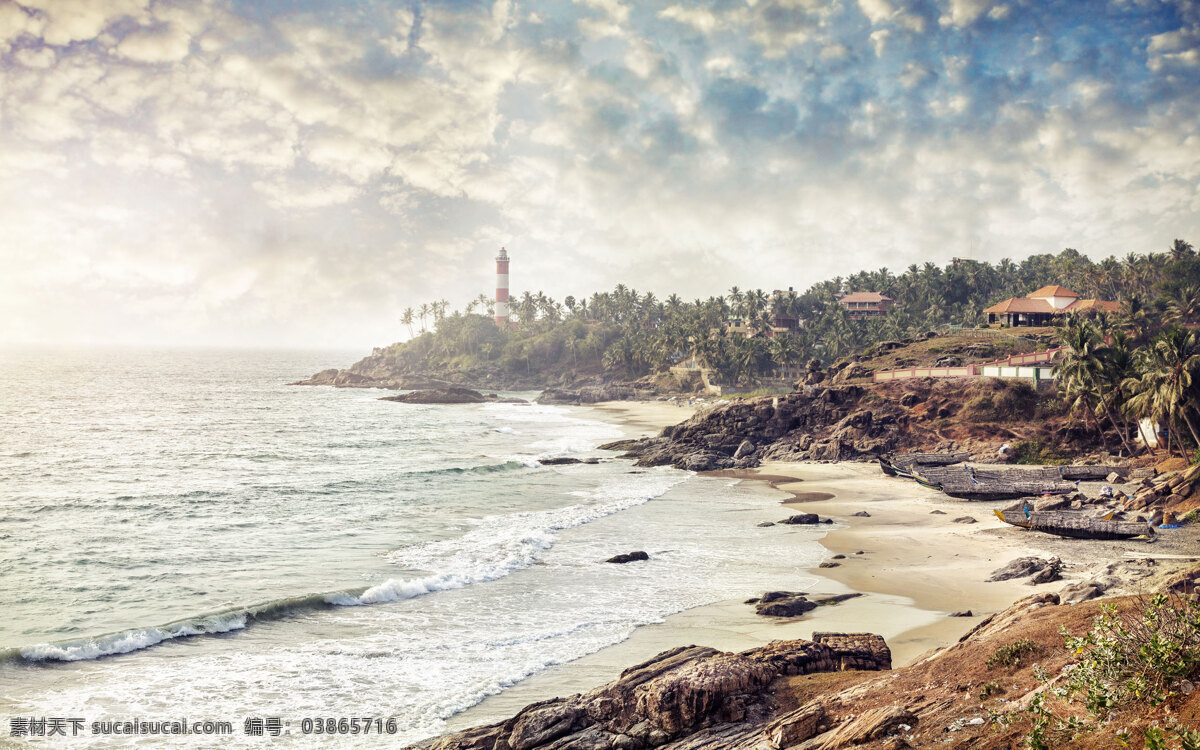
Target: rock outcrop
[816,423]
[439,396]
[688,698]
[592,394]
[782,604]
[1038,570]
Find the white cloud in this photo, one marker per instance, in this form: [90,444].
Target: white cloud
[293,194]
[36,58]
[615,10]
[1178,48]
[700,19]
[879,39]
[168,43]
[876,11]
[69,21]
[963,13]
[15,23]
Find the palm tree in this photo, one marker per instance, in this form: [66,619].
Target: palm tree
[1118,364]
[1184,304]
[486,303]
[1180,249]
[407,319]
[1169,368]
[1079,370]
[785,349]
[424,312]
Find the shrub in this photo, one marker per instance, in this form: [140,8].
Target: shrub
[1011,654]
[1147,655]
[979,409]
[988,689]
[1037,452]
[1018,401]
[1139,656]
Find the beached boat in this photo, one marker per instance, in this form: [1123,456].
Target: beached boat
[1076,526]
[1014,517]
[887,467]
[926,482]
[974,490]
[1025,519]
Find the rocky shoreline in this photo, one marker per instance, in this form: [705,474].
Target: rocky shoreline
[816,423]
[688,698]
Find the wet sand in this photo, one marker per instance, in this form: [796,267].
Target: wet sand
[916,568]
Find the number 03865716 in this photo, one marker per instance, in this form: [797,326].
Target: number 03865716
[357,725]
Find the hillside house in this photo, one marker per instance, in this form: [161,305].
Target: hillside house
[1041,307]
[862,305]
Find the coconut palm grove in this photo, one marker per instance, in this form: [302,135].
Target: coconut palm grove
[1117,368]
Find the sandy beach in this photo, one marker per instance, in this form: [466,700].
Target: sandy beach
[641,418]
[913,563]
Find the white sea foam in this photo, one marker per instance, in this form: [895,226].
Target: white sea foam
[130,640]
[500,545]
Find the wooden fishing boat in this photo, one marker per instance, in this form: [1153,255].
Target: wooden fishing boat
[1014,518]
[934,459]
[1076,526]
[887,467]
[969,490]
[1018,516]
[925,482]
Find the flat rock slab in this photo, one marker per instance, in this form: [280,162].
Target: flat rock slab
[451,395]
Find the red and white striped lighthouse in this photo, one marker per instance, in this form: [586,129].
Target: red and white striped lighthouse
[502,289]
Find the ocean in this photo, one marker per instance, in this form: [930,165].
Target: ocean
[185,538]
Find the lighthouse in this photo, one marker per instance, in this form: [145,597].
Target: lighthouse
[502,289]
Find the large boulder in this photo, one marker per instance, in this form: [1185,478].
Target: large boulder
[804,519]
[1038,569]
[628,557]
[439,396]
[792,605]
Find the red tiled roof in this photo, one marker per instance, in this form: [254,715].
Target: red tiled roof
[1053,291]
[1021,305]
[1086,305]
[864,297]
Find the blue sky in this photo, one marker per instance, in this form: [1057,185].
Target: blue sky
[296,173]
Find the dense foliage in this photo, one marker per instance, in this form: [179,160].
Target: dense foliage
[625,333]
[1123,376]
[1144,657]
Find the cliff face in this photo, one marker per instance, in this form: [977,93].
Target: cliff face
[836,421]
[689,698]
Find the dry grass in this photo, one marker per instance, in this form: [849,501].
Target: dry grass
[958,684]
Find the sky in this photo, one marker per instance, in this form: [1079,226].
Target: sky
[294,173]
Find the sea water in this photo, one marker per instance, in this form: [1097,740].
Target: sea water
[184,535]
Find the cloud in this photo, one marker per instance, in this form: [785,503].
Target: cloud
[305,195]
[35,58]
[167,43]
[962,13]
[271,172]
[700,19]
[69,21]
